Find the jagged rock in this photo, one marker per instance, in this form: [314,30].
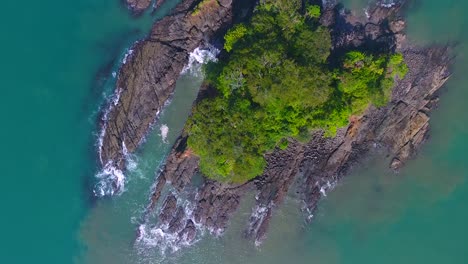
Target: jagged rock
[216,202]
[401,126]
[181,165]
[189,232]
[168,210]
[161,182]
[272,187]
[177,222]
[397,26]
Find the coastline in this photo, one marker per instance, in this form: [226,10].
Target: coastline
[401,128]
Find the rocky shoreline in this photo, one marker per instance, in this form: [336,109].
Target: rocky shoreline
[148,79]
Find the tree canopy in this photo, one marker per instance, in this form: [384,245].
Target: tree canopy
[275,83]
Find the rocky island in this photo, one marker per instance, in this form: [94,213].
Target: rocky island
[146,81]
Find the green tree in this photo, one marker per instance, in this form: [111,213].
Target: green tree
[275,83]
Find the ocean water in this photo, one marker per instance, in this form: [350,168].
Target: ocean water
[57,72]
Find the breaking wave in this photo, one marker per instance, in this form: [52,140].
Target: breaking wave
[160,236]
[127,55]
[111,180]
[328,186]
[198,57]
[164,131]
[388,3]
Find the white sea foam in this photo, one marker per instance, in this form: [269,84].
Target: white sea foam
[328,186]
[130,159]
[161,238]
[164,131]
[259,212]
[127,55]
[388,3]
[111,181]
[366,12]
[198,57]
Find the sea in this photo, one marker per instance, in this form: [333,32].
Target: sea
[59,66]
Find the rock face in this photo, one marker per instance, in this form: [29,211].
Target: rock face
[147,78]
[400,128]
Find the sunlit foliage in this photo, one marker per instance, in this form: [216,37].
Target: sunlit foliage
[275,83]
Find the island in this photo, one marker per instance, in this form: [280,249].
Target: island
[302,91]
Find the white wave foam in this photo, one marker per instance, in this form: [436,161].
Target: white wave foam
[111,181]
[198,57]
[130,159]
[164,131]
[127,55]
[259,212]
[327,187]
[161,238]
[388,3]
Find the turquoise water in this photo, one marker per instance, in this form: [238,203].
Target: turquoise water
[56,69]
[56,58]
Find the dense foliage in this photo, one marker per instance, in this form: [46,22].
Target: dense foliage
[275,83]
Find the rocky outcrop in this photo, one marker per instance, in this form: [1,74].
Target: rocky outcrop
[147,78]
[399,128]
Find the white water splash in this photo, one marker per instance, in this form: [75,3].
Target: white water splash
[327,187]
[198,57]
[111,181]
[159,236]
[127,55]
[388,3]
[366,12]
[164,131]
[130,159]
[259,213]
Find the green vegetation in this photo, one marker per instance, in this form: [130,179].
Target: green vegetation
[233,35]
[203,4]
[313,11]
[275,83]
